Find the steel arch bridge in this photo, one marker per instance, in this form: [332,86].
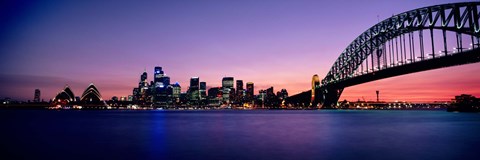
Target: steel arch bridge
[417,40]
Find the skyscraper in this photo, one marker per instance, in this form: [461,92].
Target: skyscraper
[143,77]
[239,95]
[249,91]
[215,96]
[228,90]
[193,90]
[283,94]
[227,82]
[161,87]
[158,73]
[36,97]
[203,90]
[143,87]
[177,89]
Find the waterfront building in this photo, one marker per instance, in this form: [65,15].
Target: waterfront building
[203,93]
[249,91]
[283,94]
[143,87]
[262,94]
[91,95]
[215,95]
[203,90]
[64,96]
[194,90]
[239,97]
[36,97]
[136,94]
[158,74]
[270,98]
[176,91]
[161,87]
[228,90]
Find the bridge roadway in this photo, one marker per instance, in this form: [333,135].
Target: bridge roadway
[465,57]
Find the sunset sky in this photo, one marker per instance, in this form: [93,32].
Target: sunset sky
[279,43]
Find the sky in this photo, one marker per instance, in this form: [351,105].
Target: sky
[279,43]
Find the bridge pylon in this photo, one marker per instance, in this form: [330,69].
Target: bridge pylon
[328,96]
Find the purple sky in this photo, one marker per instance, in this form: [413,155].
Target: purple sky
[276,43]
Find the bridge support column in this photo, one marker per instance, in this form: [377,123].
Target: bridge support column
[331,96]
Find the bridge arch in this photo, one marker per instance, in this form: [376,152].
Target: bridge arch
[417,40]
[385,44]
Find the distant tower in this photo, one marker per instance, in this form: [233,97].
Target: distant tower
[37,96]
[378,92]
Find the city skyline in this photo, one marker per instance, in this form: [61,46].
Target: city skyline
[49,45]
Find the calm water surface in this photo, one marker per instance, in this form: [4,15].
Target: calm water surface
[42,134]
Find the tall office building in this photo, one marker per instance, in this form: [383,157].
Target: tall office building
[158,73]
[143,77]
[239,85]
[227,82]
[194,90]
[143,87]
[161,87]
[215,96]
[36,97]
[239,95]
[228,90]
[203,90]
[177,90]
[283,94]
[249,91]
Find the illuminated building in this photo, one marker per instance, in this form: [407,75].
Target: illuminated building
[227,82]
[228,90]
[36,97]
[136,94]
[240,91]
[269,98]
[158,74]
[91,95]
[215,96]
[193,90]
[283,94]
[203,90]
[239,85]
[262,94]
[176,91]
[249,91]
[64,96]
[143,87]
[160,87]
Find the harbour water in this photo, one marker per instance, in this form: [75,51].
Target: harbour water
[228,134]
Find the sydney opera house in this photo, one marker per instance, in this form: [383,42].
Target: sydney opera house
[91,97]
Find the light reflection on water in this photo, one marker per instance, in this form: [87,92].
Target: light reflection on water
[239,134]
